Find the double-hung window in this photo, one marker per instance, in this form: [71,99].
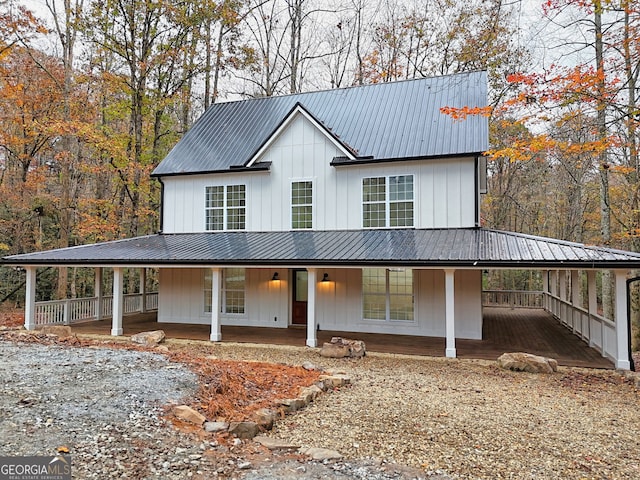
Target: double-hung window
[387,294]
[387,201]
[225,207]
[233,286]
[302,204]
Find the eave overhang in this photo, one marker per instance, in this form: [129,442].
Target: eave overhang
[473,248]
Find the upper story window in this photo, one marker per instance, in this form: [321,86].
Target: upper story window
[225,206]
[387,201]
[302,204]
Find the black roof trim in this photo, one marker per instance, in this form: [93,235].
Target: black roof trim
[345,162]
[256,167]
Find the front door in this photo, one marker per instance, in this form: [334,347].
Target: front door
[299,297]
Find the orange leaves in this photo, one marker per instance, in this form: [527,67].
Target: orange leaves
[463,112]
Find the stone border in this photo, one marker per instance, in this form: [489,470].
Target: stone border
[265,418]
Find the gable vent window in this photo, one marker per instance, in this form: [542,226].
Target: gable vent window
[387,201]
[302,205]
[225,206]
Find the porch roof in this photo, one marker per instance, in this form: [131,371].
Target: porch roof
[437,248]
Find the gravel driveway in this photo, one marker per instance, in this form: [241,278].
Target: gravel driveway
[440,418]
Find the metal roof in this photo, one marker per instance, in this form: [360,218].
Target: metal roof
[476,248]
[393,120]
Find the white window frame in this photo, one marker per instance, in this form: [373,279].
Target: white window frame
[303,205]
[387,202]
[388,297]
[226,306]
[227,207]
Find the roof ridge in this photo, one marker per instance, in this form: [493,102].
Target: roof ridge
[351,87]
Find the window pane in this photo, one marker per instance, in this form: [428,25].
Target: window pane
[207,291]
[214,220]
[401,214]
[214,197]
[301,204]
[373,189]
[236,207]
[373,215]
[374,307]
[235,219]
[401,295]
[401,188]
[401,307]
[234,284]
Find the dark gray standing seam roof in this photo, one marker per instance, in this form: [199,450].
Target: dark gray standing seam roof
[387,121]
[440,248]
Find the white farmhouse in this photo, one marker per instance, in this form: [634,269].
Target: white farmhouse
[353,210]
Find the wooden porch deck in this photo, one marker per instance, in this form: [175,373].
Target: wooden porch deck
[504,330]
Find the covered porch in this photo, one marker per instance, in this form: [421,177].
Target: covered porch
[505,329]
[450,262]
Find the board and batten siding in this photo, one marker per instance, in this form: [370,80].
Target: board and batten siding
[338,302]
[444,190]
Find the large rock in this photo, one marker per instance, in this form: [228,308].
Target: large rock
[321,454]
[149,339]
[244,429]
[188,414]
[62,331]
[215,427]
[527,362]
[275,443]
[340,347]
[265,418]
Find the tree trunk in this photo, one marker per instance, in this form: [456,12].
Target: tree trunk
[601,119]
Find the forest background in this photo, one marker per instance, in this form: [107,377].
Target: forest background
[93,94]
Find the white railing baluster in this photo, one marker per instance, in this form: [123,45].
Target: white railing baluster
[69,311]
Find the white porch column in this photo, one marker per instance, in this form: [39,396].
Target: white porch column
[118,302]
[562,310]
[216,328]
[545,289]
[449,313]
[593,301]
[563,285]
[143,290]
[312,278]
[30,299]
[553,279]
[622,327]
[97,292]
[576,299]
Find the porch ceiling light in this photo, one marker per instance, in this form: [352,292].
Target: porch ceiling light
[275,277]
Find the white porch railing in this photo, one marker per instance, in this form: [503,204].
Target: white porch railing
[73,310]
[597,331]
[513,298]
[594,329]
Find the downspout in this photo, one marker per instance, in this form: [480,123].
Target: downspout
[629,282]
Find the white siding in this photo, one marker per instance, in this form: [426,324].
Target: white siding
[181,298]
[444,189]
[339,302]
